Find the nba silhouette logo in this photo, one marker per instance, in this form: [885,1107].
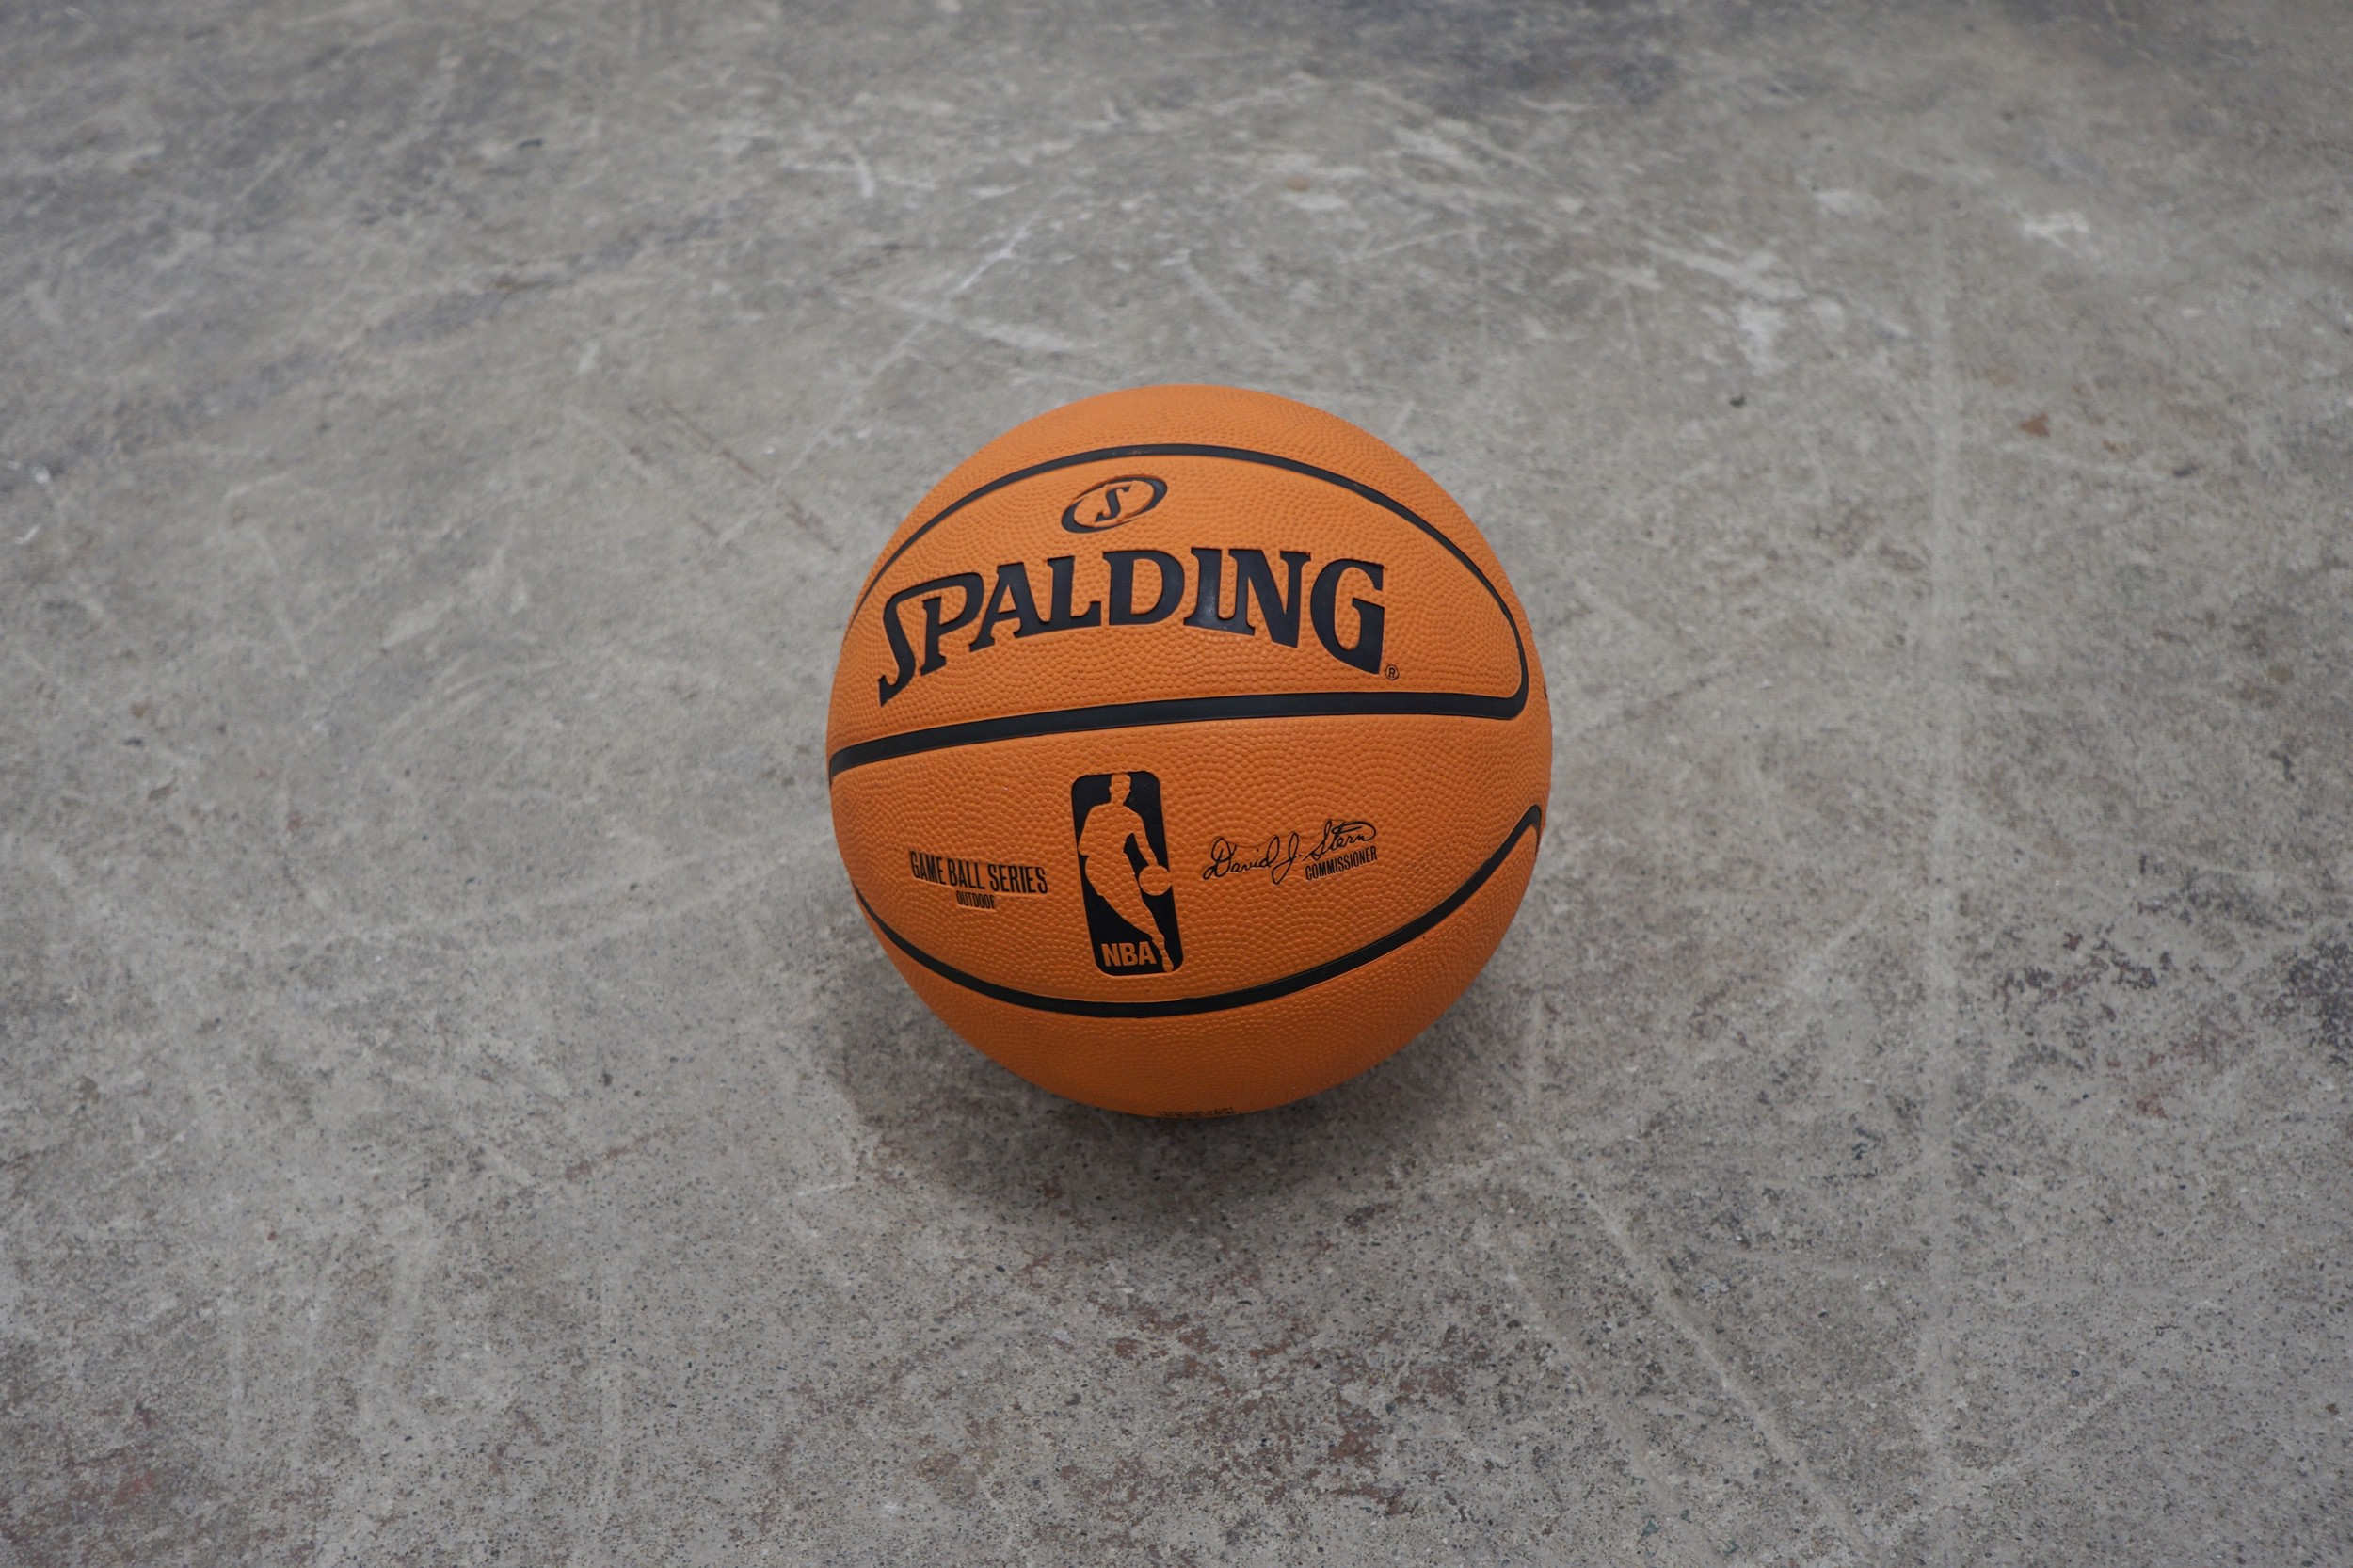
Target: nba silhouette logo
[1123,873]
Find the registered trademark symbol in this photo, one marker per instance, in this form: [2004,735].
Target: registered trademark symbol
[1390,672]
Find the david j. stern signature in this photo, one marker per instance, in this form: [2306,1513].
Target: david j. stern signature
[1281,851]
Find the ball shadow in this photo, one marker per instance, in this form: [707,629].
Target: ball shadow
[945,1114]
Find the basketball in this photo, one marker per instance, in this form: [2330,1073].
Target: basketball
[1188,751]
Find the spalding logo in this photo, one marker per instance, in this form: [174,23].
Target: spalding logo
[1113,503]
[1011,601]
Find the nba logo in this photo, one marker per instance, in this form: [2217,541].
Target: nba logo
[1123,873]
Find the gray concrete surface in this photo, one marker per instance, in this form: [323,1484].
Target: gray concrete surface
[452,1114]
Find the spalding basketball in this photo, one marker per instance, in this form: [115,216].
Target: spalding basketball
[1189,751]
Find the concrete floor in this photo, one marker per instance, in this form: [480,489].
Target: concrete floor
[452,1113]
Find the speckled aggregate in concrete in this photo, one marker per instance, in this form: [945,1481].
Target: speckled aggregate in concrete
[450,1111]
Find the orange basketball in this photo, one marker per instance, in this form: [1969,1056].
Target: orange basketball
[1189,751]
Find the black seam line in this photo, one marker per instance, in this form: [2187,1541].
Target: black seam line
[1248,996]
[1189,710]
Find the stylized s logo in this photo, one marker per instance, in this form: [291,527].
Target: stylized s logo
[1113,503]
